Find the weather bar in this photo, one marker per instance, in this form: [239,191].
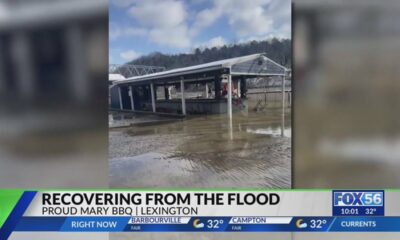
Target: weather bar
[210,224]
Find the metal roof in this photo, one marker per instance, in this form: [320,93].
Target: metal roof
[115,77]
[129,70]
[221,64]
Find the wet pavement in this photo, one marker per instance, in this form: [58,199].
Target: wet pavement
[202,151]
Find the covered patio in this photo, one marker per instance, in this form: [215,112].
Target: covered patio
[211,88]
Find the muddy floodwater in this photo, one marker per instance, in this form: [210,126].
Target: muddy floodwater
[200,151]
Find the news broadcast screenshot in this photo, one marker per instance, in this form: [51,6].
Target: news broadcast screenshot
[199,120]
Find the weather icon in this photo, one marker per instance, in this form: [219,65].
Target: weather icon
[198,224]
[301,224]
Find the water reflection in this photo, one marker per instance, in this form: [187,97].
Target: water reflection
[231,128]
[283,124]
[204,151]
[275,132]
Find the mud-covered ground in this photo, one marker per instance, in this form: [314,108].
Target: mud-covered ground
[202,151]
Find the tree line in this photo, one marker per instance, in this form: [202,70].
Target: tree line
[277,50]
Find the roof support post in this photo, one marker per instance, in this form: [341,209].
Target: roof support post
[283,104]
[230,96]
[166,92]
[120,98]
[217,87]
[77,66]
[153,100]
[243,87]
[131,94]
[283,93]
[183,98]
[22,51]
[239,89]
[3,83]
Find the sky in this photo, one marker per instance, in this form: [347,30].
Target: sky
[140,27]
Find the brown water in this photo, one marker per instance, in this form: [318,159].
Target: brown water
[203,151]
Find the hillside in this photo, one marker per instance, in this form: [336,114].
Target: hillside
[277,50]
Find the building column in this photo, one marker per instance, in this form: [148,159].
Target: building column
[3,83]
[21,49]
[283,93]
[121,106]
[243,87]
[229,96]
[183,98]
[283,105]
[217,87]
[206,90]
[239,90]
[131,94]
[166,92]
[169,92]
[76,63]
[153,100]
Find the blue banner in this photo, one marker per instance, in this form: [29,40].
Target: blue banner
[210,224]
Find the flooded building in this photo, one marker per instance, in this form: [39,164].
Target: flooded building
[227,149]
[215,87]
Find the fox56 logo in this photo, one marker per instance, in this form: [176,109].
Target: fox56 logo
[358,198]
